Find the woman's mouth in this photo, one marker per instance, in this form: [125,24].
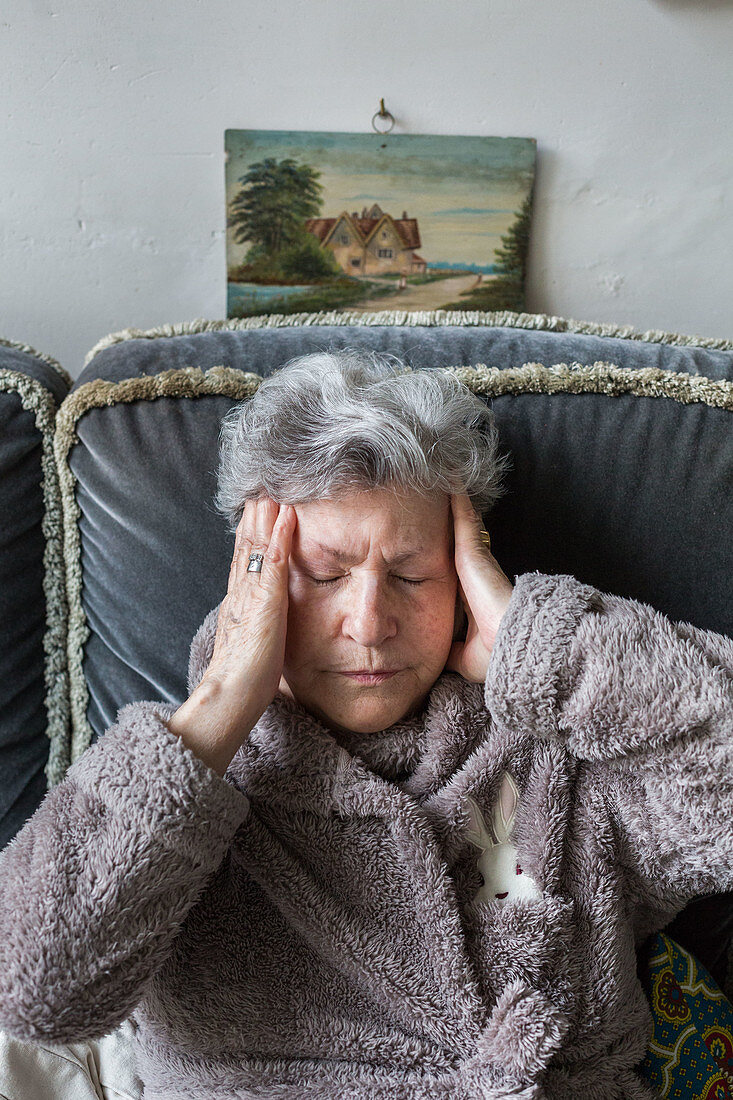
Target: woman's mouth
[371,677]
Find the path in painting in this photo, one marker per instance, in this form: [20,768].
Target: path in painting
[423,296]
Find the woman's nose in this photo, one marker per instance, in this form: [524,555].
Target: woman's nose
[368,616]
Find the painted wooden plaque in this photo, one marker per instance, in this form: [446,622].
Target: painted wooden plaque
[369,222]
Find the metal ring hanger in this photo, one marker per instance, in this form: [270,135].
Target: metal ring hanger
[382,113]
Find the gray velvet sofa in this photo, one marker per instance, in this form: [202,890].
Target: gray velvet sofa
[34,695]
[112,553]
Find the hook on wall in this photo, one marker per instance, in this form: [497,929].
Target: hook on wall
[382,113]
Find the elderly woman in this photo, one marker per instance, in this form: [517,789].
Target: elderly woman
[403,836]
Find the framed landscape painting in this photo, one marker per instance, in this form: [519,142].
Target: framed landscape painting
[366,222]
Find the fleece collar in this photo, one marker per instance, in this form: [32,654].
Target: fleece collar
[432,760]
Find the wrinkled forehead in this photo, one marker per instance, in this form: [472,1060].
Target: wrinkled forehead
[397,530]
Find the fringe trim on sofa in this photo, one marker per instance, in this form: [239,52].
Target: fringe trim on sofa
[188,382]
[40,356]
[412,318]
[602,378]
[36,399]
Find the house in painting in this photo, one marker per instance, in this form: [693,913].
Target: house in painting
[374,243]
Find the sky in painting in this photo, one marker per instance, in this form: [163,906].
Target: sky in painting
[464,191]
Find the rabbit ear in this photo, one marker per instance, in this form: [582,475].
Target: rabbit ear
[477,832]
[505,809]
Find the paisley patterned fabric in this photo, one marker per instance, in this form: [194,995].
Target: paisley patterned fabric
[690,1053]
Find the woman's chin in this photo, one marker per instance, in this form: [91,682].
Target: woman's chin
[368,710]
[368,716]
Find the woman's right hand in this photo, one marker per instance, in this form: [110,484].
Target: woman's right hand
[244,673]
[249,648]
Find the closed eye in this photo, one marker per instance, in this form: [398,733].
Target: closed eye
[333,580]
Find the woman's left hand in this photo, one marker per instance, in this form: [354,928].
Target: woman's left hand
[484,589]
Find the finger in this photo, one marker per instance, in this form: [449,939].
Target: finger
[464,513]
[278,551]
[469,530]
[242,545]
[265,512]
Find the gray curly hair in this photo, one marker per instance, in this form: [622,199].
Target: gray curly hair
[331,423]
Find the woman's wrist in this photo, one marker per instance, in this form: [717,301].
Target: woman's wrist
[213,724]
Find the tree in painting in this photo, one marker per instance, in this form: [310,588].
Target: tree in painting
[275,200]
[512,255]
[269,212]
[506,289]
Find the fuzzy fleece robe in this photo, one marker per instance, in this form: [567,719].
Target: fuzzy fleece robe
[316,924]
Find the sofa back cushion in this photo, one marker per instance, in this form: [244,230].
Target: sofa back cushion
[33,688]
[622,468]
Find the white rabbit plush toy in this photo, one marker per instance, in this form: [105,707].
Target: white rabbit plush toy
[503,877]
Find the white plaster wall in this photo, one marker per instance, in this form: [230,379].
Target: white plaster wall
[112,118]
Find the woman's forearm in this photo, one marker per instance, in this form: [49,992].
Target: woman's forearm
[213,724]
[96,885]
[646,703]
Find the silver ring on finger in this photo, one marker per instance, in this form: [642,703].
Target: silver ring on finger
[255,563]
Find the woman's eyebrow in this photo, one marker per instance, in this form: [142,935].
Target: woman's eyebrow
[344,558]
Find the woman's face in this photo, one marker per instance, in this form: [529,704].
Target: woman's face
[372,585]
